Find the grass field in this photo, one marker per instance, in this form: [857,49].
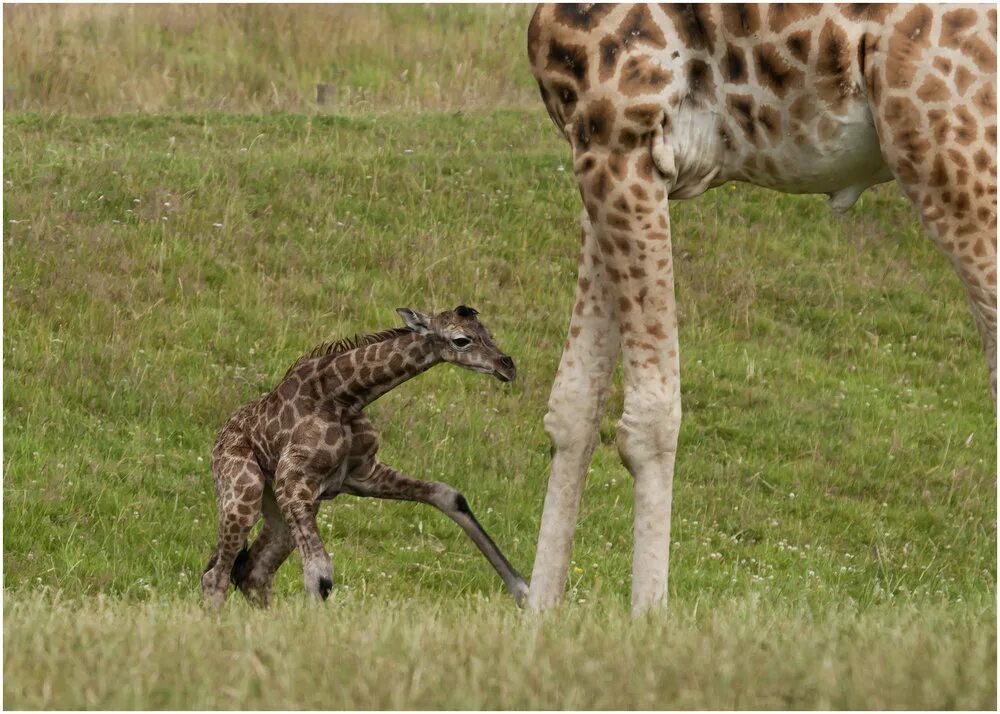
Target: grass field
[835,502]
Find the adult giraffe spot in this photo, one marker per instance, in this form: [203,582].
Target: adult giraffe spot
[638,27]
[770,119]
[963,78]
[798,43]
[693,25]
[741,108]
[933,90]
[834,60]
[610,50]
[569,59]
[601,184]
[646,115]
[628,139]
[734,65]
[773,71]
[741,20]
[965,132]
[909,38]
[656,330]
[701,85]
[876,12]
[619,222]
[642,76]
[939,173]
[982,160]
[954,23]
[581,16]
[986,98]
[958,158]
[942,65]
[939,124]
[644,167]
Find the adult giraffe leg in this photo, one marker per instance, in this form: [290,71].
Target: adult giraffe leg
[626,198]
[575,406]
[965,229]
[943,153]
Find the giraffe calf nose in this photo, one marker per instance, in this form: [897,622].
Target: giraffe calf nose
[507,362]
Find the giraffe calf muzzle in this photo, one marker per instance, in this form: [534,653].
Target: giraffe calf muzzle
[505,371]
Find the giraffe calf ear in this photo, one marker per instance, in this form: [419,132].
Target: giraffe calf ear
[416,321]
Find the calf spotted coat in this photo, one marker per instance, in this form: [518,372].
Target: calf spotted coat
[308,440]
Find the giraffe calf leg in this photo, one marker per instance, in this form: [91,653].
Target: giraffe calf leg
[387,482]
[239,484]
[268,553]
[297,493]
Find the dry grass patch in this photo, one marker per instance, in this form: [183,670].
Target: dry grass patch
[271,57]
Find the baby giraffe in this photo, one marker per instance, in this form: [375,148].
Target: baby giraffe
[308,440]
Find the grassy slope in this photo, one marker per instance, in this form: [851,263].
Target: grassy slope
[835,505]
[153,58]
[837,445]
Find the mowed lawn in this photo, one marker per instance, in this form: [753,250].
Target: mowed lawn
[834,533]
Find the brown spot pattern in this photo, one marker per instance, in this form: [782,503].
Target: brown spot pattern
[640,75]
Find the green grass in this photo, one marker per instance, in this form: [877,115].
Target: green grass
[448,655]
[837,454]
[834,533]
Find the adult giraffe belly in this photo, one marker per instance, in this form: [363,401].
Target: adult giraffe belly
[842,167]
[818,152]
[807,147]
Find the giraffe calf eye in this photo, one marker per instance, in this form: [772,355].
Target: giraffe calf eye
[461,342]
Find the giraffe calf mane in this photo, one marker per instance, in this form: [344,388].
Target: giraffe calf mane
[339,347]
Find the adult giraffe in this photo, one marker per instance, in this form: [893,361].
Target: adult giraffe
[663,102]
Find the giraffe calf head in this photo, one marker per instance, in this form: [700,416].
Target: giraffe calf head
[462,340]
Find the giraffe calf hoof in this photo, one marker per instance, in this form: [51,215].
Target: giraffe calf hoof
[325,586]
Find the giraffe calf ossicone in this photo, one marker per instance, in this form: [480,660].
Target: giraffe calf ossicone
[308,440]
